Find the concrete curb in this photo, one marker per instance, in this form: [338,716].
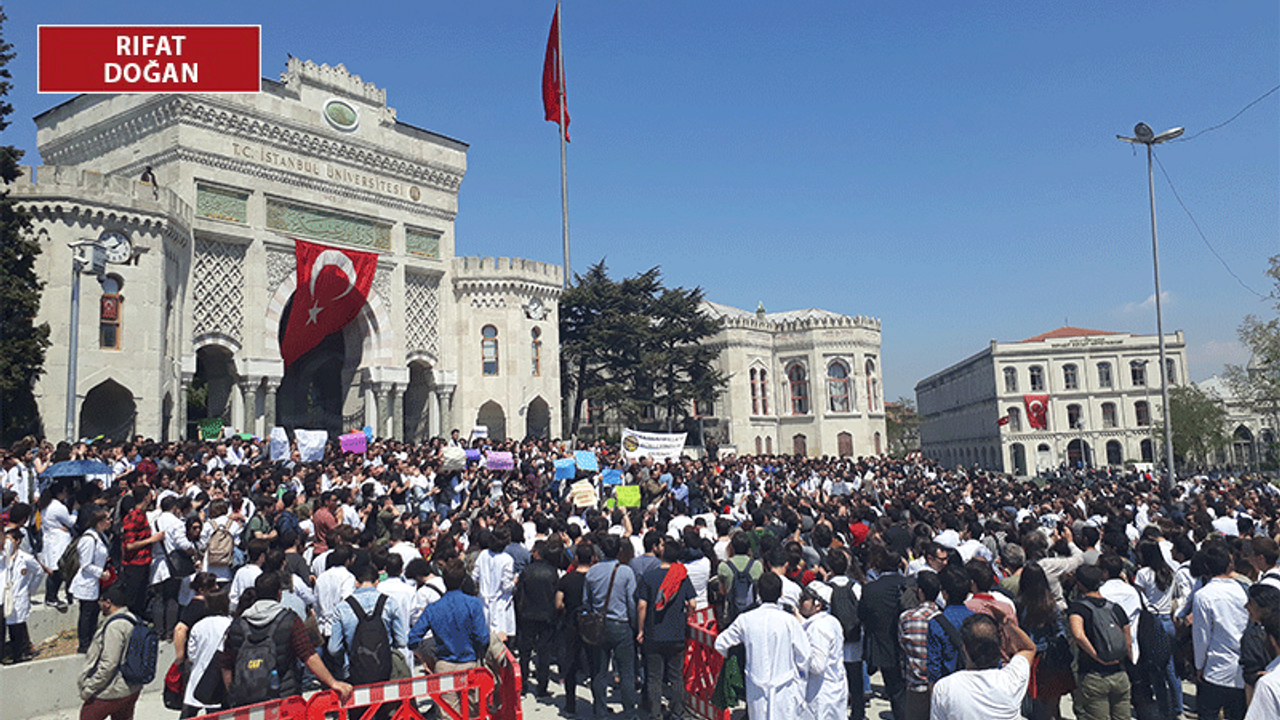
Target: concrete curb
[41,687]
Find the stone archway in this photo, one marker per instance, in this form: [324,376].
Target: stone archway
[108,410]
[491,416]
[417,403]
[538,419]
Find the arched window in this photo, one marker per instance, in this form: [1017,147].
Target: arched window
[799,445]
[764,393]
[838,387]
[1037,378]
[1104,374]
[536,351]
[1073,416]
[755,399]
[1138,372]
[489,349]
[1015,419]
[873,386]
[109,313]
[798,382]
[1170,374]
[1142,411]
[876,438]
[1108,415]
[844,444]
[1070,378]
[768,445]
[1011,380]
[759,442]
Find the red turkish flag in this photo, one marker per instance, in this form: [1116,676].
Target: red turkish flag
[1003,421]
[553,91]
[1037,411]
[333,284]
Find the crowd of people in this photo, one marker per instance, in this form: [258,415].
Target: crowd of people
[962,593]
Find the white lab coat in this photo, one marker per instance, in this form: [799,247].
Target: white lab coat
[496,577]
[826,694]
[777,649]
[22,575]
[56,524]
[92,550]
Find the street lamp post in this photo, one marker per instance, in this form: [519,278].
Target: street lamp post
[1144,136]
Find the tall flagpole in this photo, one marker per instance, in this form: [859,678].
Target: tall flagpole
[564,177]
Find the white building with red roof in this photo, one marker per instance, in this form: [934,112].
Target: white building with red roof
[1033,404]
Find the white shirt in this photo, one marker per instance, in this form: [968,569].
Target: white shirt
[1123,594]
[245,578]
[1159,601]
[1266,695]
[204,641]
[92,550]
[982,694]
[175,536]
[1218,622]
[332,587]
[776,649]
[826,694]
[699,576]
[22,575]
[56,525]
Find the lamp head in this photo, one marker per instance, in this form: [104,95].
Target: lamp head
[1143,132]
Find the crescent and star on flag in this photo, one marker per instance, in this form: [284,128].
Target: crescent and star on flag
[329,258]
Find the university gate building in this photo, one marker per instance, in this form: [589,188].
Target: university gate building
[207,194]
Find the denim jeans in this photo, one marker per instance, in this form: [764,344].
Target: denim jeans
[664,667]
[619,646]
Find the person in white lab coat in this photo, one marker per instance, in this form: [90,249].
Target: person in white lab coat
[86,586]
[826,695]
[495,575]
[22,572]
[56,527]
[777,650]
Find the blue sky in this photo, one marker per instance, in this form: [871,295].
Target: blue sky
[950,168]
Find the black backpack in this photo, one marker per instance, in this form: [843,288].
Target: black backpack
[256,676]
[844,606]
[138,665]
[742,597]
[369,656]
[1154,644]
[1107,636]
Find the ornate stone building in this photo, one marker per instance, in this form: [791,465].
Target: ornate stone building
[805,382]
[1104,397]
[211,191]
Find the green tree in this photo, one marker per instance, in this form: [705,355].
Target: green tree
[902,426]
[1257,384]
[634,345]
[22,342]
[1199,424]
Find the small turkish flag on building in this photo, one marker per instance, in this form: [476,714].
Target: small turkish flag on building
[554,103]
[1003,421]
[333,284]
[1037,411]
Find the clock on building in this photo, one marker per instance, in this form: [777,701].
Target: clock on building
[117,246]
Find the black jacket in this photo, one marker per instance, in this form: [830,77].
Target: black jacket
[879,609]
[535,593]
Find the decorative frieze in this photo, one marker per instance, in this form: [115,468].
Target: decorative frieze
[218,290]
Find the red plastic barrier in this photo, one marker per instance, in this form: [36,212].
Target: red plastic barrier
[702,666]
[290,708]
[509,685]
[369,699]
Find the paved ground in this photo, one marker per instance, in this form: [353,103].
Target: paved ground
[151,706]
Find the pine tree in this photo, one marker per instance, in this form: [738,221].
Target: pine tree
[22,343]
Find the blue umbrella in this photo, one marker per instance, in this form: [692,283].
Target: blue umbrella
[76,468]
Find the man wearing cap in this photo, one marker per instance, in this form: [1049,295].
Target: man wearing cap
[826,695]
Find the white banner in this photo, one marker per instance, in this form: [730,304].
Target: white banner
[311,444]
[279,444]
[659,446]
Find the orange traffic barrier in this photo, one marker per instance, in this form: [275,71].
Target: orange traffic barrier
[702,666]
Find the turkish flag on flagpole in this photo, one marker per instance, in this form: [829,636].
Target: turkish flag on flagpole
[333,284]
[1037,411]
[553,87]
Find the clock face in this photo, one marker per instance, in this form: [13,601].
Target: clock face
[117,246]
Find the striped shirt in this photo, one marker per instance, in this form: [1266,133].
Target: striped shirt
[913,635]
